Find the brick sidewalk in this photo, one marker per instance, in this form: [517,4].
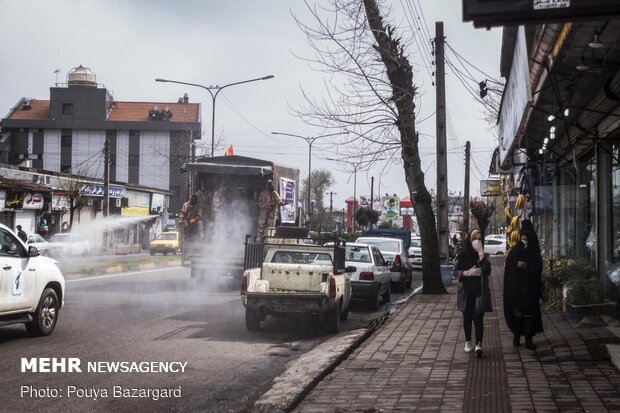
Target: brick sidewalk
[416,362]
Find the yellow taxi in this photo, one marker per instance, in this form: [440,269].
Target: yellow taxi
[166,242]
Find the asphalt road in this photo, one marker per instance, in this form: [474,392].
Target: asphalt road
[155,316]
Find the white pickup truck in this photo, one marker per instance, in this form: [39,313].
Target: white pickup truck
[295,278]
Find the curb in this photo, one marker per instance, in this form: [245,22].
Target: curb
[290,388]
[305,372]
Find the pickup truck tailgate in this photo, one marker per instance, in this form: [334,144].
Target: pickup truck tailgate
[295,277]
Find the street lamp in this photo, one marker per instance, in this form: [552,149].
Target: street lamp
[310,140]
[217,90]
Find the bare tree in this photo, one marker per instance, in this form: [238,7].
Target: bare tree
[370,93]
[75,190]
[322,179]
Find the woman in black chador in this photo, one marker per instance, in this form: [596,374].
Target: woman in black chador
[522,287]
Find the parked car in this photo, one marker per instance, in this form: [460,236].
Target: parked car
[68,243]
[32,287]
[495,236]
[369,273]
[495,246]
[395,253]
[415,252]
[165,243]
[35,240]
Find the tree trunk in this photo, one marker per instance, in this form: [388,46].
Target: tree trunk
[401,79]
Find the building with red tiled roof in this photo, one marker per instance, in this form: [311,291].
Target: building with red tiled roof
[148,141]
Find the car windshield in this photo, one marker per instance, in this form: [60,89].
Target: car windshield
[60,238]
[357,254]
[383,245]
[168,237]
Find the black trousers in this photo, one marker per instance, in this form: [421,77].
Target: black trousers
[470,315]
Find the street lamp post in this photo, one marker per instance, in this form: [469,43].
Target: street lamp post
[356,166]
[217,90]
[310,140]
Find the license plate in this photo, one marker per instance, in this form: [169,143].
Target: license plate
[287,308]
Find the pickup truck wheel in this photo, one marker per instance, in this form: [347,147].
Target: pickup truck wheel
[46,315]
[252,320]
[332,321]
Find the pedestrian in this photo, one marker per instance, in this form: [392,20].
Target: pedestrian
[472,268]
[522,287]
[268,202]
[21,234]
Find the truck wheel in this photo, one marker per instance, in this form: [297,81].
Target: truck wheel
[344,315]
[409,282]
[252,320]
[46,315]
[332,321]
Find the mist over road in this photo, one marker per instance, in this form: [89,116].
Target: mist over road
[155,316]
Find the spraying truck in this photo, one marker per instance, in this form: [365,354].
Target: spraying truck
[223,209]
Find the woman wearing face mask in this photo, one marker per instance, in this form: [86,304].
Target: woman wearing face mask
[522,287]
[472,268]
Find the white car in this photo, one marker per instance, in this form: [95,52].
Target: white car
[395,253]
[32,287]
[370,274]
[68,243]
[35,240]
[415,252]
[495,236]
[495,246]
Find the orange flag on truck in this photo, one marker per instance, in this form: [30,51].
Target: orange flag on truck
[229,151]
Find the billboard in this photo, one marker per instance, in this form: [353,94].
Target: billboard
[288,211]
[487,13]
[390,208]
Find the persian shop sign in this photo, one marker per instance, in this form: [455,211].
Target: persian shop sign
[97,190]
[21,200]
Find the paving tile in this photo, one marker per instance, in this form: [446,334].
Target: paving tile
[420,349]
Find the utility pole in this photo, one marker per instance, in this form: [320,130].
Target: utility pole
[442,161]
[106,178]
[331,208]
[372,190]
[466,195]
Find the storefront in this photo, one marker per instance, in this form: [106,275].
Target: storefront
[560,140]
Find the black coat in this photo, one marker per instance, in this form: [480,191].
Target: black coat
[468,288]
[522,287]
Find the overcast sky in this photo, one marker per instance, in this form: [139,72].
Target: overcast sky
[129,43]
